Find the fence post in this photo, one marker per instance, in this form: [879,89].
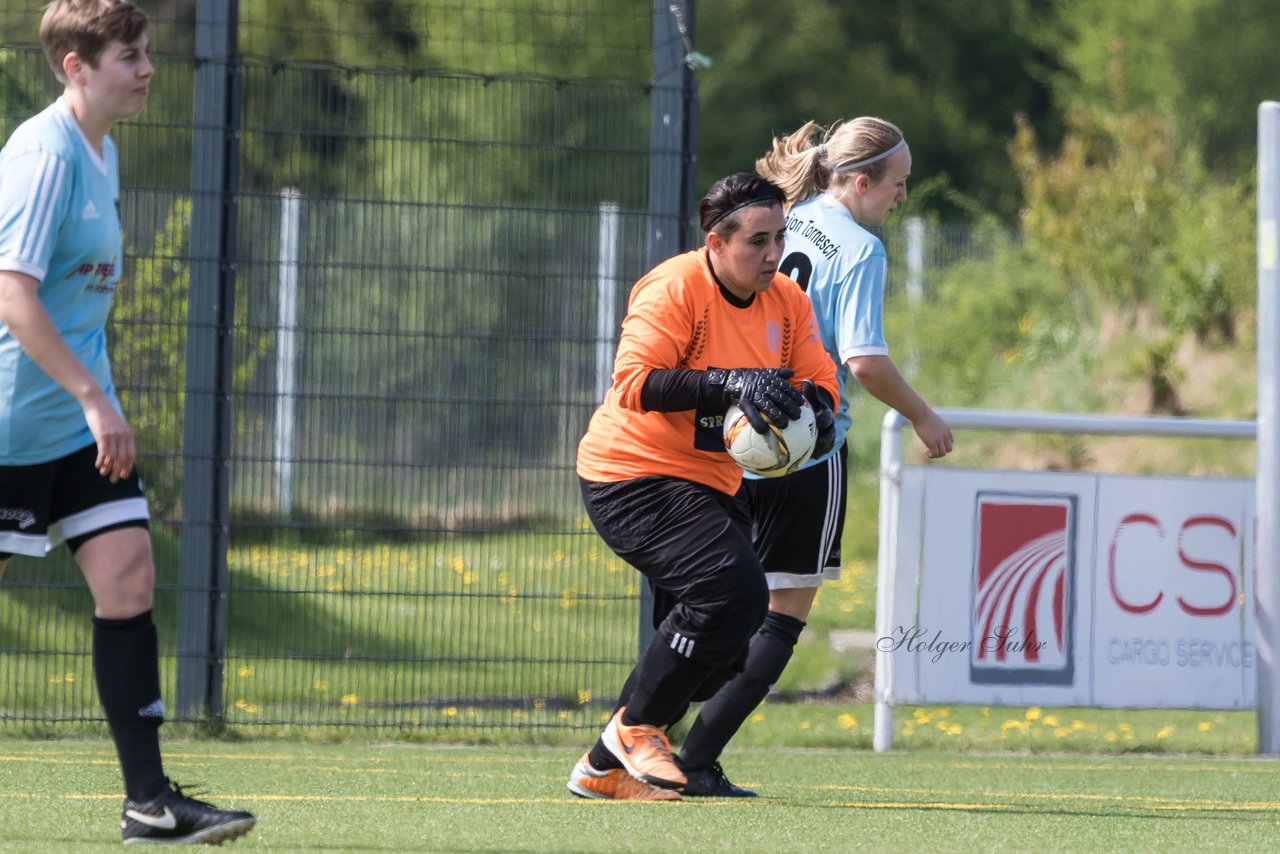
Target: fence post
[672,163]
[1268,491]
[210,312]
[606,297]
[287,347]
[915,232]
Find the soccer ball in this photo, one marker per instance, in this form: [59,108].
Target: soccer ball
[780,451]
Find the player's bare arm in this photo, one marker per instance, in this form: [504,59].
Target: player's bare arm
[22,312]
[881,377]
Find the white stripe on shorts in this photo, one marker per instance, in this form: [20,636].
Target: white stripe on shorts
[95,518]
[23,544]
[832,508]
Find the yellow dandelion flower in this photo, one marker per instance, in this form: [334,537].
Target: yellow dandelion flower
[1049,720]
[250,709]
[563,715]
[240,703]
[1165,732]
[1033,713]
[804,725]
[1062,731]
[955,729]
[1110,736]
[1203,726]
[1077,725]
[847,721]
[757,718]
[908,728]
[69,678]
[451,711]
[350,699]
[584,697]
[245,671]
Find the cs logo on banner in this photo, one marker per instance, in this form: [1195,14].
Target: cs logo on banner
[1023,589]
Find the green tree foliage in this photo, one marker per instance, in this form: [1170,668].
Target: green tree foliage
[1203,64]
[951,73]
[988,320]
[1128,217]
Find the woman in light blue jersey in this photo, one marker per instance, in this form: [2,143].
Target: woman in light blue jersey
[839,183]
[67,455]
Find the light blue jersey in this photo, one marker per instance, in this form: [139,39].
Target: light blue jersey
[842,268]
[60,225]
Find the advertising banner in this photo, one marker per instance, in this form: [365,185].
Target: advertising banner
[1046,588]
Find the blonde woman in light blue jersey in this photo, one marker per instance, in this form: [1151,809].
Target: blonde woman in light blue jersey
[67,454]
[839,183]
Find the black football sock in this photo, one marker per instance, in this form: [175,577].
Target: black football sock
[600,756]
[126,666]
[664,682]
[722,715]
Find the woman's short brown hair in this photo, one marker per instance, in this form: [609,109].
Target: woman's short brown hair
[85,27]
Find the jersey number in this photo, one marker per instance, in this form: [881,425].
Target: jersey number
[797,266]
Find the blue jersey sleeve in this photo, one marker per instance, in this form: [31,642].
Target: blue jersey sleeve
[35,193]
[860,310]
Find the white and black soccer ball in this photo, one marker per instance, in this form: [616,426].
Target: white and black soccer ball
[780,451]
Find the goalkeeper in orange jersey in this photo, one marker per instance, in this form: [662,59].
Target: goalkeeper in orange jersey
[707,329]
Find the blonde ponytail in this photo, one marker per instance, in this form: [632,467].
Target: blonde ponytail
[795,163]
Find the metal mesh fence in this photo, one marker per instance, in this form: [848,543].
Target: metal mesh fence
[433,239]
[424,262]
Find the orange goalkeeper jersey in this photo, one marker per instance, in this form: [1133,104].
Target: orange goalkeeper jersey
[677,317]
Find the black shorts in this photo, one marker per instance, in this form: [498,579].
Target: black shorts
[64,500]
[798,521]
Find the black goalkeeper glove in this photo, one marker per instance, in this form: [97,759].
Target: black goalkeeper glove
[823,419]
[755,391]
